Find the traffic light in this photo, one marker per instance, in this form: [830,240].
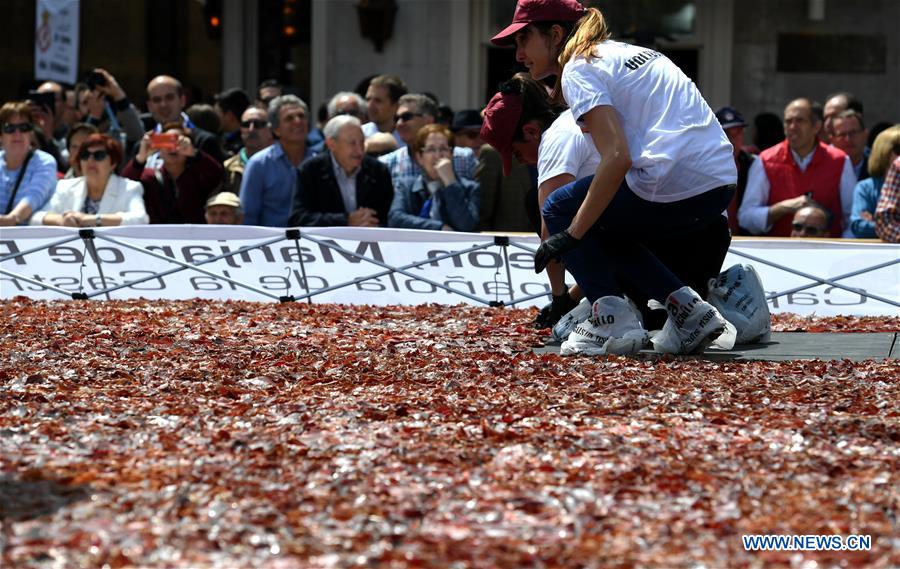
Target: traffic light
[291,22]
[212,16]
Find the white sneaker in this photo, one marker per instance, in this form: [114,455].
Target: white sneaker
[572,318]
[692,325]
[739,296]
[614,327]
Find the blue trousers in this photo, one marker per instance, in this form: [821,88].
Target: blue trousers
[615,250]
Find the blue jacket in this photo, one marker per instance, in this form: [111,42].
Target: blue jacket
[458,205]
[865,198]
[267,188]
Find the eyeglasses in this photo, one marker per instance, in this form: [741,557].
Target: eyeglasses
[255,123]
[799,227]
[407,116]
[437,150]
[97,155]
[846,134]
[23,127]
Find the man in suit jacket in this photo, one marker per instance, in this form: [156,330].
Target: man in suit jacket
[342,186]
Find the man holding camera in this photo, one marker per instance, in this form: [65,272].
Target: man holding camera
[45,108]
[53,89]
[104,104]
[166,102]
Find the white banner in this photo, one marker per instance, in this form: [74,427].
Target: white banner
[473,268]
[56,40]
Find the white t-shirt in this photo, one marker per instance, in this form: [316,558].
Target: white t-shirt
[564,149]
[678,149]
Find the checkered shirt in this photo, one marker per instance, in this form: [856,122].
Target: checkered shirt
[887,213]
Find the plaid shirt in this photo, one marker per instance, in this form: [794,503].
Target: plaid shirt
[887,214]
[404,169]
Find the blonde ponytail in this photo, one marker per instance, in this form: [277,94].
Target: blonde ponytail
[589,31]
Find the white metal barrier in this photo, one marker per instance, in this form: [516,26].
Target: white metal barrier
[390,266]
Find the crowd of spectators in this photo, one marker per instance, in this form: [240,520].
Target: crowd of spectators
[825,178]
[86,157]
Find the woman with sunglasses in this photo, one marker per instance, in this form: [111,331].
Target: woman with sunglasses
[437,199]
[27,177]
[667,170]
[99,197]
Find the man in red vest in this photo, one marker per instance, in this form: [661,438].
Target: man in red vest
[795,173]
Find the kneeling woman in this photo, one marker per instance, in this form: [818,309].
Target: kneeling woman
[667,170]
[438,199]
[99,197]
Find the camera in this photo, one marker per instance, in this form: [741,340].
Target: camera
[45,100]
[94,80]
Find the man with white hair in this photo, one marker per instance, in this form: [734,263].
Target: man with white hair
[342,186]
[347,103]
[270,175]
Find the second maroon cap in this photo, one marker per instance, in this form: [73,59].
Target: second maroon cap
[501,117]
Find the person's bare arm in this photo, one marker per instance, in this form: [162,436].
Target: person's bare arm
[786,207]
[606,131]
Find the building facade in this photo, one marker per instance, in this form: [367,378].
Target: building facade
[755,55]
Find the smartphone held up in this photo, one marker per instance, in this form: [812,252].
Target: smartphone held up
[164,141]
[95,79]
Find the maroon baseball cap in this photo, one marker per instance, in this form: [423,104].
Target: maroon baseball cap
[501,116]
[528,11]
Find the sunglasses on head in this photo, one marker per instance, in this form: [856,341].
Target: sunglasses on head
[9,128]
[255,123]
[407,116]
[97,155]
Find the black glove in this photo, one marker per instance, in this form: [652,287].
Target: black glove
[552,248]
[552,312]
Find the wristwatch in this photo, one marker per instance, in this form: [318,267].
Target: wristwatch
[99,220]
